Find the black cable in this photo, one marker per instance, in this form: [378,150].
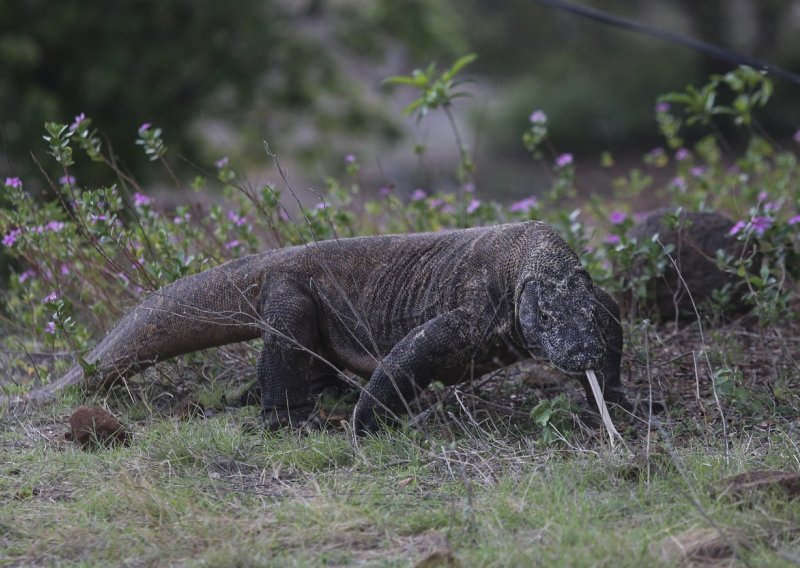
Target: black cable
[692,43]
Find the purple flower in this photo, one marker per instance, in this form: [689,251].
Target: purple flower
[50,327]
[563,160]
[221,163]
[537,117]
[682,154]
[763,195]
[65,269]
[612,239]
[144,127]
[448,209]
[617,217]
[54,226]
[523,205]
[124,277]
[320,206]
[662,107]
[51,297]
[796,136]
[350,159]
[473,206]
[761,224]
[772,206]
[737,227]
[434,203]
[27,275]
[656,152]
[697,171]
[680,183]
[232,244]
[793,220]
[236,219]
[418,195]
[67,180]
[14,183]
[140,199]
[469,187]
[11,237]
[78,121]
[95,218]
[384,191]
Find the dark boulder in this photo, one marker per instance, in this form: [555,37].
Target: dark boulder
[689,283]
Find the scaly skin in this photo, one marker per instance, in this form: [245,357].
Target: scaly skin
[402,310]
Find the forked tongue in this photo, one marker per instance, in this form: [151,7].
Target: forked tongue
[601,405]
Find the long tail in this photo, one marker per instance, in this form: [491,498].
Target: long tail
[216,307]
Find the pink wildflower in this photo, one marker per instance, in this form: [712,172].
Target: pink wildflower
[564,160]
[14,183]
[140,199]
[524,205]
[617,217]
[80,119]
[473,206]
[27,275]
[50,327]
[236,219]
[537,117]
[51,297]
[761,224]
[418,195]
[11,237]
[737,227]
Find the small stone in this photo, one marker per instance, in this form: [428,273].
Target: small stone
[697,547]
[655,463]
[439,559]
[92,427]
[189,408]
[752,485]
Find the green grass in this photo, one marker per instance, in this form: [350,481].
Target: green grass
[207,492]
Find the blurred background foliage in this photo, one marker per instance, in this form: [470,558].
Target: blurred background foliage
[307,76]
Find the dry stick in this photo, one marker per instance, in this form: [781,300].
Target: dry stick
[649,398]
[705,350]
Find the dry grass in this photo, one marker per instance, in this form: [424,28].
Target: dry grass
[468,483]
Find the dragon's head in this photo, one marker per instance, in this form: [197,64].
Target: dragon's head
[557,316]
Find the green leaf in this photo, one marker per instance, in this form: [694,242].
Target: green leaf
[460,63]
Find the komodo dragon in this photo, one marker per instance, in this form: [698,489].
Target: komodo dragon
[403,310]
